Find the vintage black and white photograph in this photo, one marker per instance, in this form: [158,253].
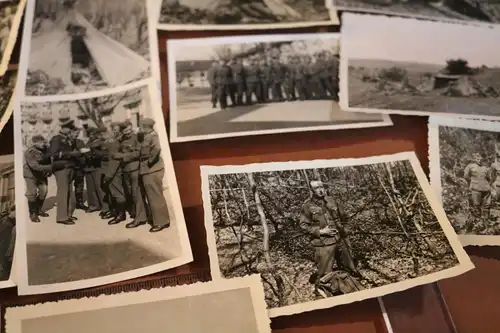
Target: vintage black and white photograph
[7,221]
[7,87]
[230,306]
[78,46]
[11,13]
[465,172]
[235,86]
[388,68]
[328,232]
[485,11]
[99,199]
[244,15]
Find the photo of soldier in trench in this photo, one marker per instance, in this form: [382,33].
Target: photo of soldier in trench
[319,233]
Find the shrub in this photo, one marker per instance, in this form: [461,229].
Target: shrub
[395,74]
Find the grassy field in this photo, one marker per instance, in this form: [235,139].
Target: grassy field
[366,94]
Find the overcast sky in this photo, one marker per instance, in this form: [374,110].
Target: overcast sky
[379,37]
[203,49]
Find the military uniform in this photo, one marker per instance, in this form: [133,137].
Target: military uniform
[113,180]
[151,172]
[479,185]
[37,168]
[316,214]
[265,82]
[79,175]
[238,72]
[252,79]
[61,151]
[278,73]
[7,241]
[223,82]
[495,177]
[325,78]
[212,81]
[93,160]
[300,80]
[129,155]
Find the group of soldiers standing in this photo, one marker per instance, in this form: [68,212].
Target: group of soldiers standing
[263,81]
[484,187]
[122,171]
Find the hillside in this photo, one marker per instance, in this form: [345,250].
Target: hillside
[409,66]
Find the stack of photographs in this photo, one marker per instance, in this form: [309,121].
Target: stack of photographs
[96,196]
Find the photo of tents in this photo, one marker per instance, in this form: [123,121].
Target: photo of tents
[70,55]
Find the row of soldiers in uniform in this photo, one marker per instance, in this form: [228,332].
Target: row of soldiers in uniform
[122,171]
[275,81]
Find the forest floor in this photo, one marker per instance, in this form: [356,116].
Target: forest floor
[296,270]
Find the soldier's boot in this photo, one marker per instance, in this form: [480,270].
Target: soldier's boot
[33,211]
[39,205]
[121,214]
[80,203]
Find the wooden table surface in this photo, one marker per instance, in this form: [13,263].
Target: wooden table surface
[465,304]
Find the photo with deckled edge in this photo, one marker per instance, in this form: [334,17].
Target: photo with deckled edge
[114,186]
[451,81]
[456,146]
[76,47]
[11,14]
[7,222]
[7,93]
[208,302]
[235,86]
[248,15]
[484,13]
[318,278]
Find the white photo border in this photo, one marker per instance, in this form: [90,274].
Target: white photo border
[11,281]
[26,52]
[172,46]
[344,79]
[434,124]
[24,288]
[332,13]
[15,315]
[464,265]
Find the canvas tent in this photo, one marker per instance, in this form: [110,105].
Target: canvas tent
[51,52]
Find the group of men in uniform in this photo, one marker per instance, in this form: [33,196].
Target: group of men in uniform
[263,81]
[7,241]
[484,186]
[122,171]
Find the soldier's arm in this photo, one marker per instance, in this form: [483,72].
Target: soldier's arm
[35,165]
[467,171]
[306,224]
[154,150]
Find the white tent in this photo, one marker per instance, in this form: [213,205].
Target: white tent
[51,53]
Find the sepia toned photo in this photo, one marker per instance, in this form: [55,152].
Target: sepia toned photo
[78,46]
[328,232]
[235,86]
[7,87]
[99,198]
[465,172]
[486,11]
[7,221]
[240,302]
[383,70]
[11,14]
[244,15]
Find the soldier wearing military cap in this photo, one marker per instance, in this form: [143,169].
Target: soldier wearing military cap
[213,82]
[37,168]
[152,171]
[112,181]
[61,151]
[252,80]
[321,218]
[238,72]
[265,80]
[79,169]
[325,75]
[278,73]
[224,80]
[130,159]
